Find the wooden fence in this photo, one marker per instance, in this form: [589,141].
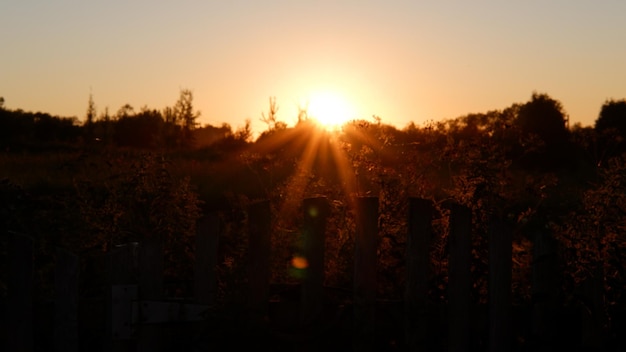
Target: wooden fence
[136,280]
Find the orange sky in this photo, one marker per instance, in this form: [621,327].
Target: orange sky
[401,60]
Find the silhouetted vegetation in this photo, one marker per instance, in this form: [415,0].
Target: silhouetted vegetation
[120,178]
[611,127]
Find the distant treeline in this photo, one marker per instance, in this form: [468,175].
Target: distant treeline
[176,127]
[172,128]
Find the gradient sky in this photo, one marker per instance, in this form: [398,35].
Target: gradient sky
[400,60]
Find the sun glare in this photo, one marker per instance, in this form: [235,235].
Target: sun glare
[330,110]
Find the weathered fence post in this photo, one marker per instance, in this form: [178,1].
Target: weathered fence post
[150,272]
[20,293]
[500,265]
[205,278]
[122,270]
[365,258]
[313,240]
[417,269]
[259,227]
[459,278]
[150,288]
[593,315]
[66,298]
[545,288]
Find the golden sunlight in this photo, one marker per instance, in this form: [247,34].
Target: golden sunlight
[330,110]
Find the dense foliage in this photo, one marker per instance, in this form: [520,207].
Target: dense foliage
[153,173]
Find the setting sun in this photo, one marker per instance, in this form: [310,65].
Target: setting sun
[330,110]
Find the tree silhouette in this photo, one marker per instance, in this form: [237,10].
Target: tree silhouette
[208,135]
[544,117]
[274,126]
[611,126]
[125,111]
[171,130]
[544,137]
[612,115]
[90,119]
[103,128]
[142,130]
[20,129]
[271,119]
[185,116]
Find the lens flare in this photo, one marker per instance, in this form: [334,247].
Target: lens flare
[299,262]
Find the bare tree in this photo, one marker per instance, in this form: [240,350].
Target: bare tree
[270,119]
